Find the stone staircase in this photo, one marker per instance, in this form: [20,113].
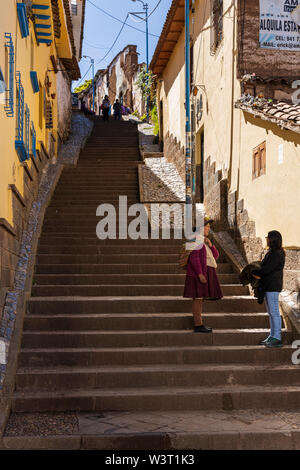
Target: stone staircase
[107,328]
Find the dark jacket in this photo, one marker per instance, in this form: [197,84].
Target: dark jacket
[247,278]
[271,271]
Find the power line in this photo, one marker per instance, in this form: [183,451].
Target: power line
[154,9]
[84,76]
[118,35]
[120,21]
[93,45]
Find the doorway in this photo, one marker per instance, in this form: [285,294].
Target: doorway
[200,166]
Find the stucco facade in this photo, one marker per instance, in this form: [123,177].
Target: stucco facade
[225,136]
[116,81]
[35,109]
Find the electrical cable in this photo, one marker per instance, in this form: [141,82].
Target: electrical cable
[154,9]
[144,19]
[118,35]
[84,76]
[120,21]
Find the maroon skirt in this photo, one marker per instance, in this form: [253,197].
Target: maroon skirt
[211,290]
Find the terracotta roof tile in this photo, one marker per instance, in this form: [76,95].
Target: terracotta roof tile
[283,114]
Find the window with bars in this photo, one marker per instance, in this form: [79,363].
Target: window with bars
[49,115]
[259,161]
[9,106]
[217,23]
[32,140]
[20,145]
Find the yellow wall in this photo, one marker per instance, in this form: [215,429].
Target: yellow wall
[11,168]
[230,135]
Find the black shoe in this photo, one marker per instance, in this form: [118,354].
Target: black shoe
[202,329]
[274,343]
[264,341]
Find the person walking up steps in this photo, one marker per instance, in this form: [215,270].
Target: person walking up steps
[271,275]
[117,110]
[201,278]
[105,108]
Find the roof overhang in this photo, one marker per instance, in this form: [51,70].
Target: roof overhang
[170,34]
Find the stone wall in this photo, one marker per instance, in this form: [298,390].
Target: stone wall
[64,103]
[174,153]
[265,63]
[215,194]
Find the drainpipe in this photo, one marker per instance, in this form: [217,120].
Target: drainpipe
[188,189]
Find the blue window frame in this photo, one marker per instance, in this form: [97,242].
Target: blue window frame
[33,140]
[23,21]
[19,142]
[27,130]
[9,107]
[34,81]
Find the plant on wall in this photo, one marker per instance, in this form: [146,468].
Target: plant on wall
[83,87]
[145,82]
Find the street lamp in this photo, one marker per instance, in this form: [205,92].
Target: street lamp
[145,8]
[92,62]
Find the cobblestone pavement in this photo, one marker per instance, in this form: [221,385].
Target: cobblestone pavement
[161,181]
[127,422]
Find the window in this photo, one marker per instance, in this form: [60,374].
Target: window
[23,21]
[20,145]
[33,140]
[27,130]
[217,23]
[10,63]
[41,101]
[259,161]
[74,7]
[49,115]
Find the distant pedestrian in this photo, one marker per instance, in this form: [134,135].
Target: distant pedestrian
[201,278]
[105,108]
[271,275]
[117,110]
[83,108]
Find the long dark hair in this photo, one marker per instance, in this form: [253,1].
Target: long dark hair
[275,241]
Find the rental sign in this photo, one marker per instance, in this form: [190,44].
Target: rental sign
[279,26]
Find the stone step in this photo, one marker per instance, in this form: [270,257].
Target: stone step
[189,430]
[142,321]
[112,249]
[128,290]
[223,397]
[144,338]
[124,304]
[117,279]
[67,240]
[109,268]
[196,375]
[250,354]
[121,258]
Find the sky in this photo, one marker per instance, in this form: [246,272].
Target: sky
[100,31]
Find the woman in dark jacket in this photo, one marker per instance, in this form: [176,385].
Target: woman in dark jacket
[271,275]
